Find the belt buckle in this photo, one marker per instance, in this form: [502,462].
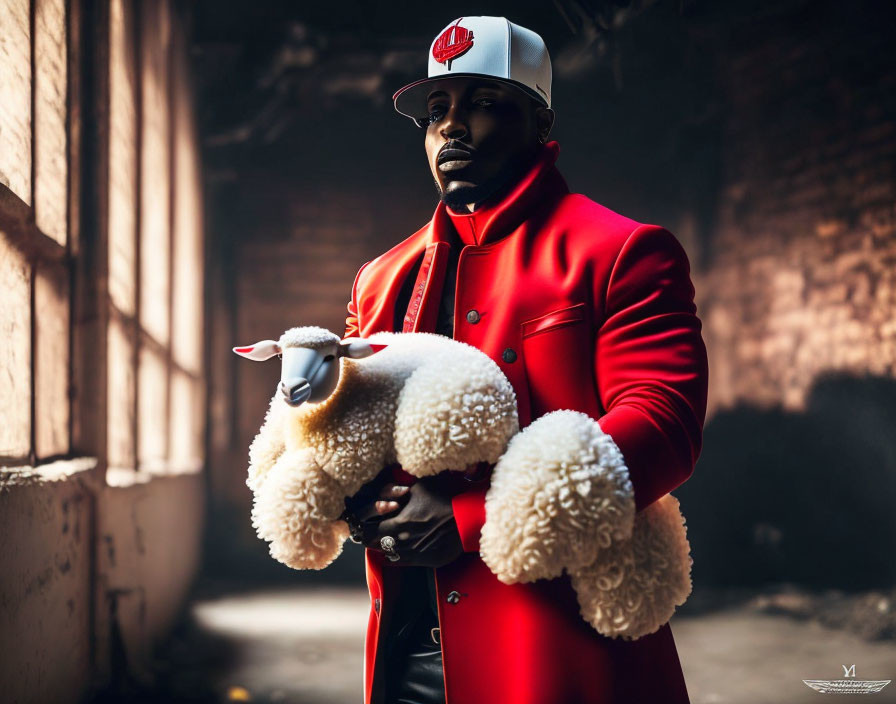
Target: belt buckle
[436,635]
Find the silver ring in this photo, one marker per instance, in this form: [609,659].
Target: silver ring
[387,543]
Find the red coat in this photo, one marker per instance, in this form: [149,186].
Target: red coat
[582,309]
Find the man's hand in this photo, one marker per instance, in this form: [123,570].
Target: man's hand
[420,519]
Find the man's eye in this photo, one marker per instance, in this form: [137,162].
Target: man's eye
[435,114]
[484,102]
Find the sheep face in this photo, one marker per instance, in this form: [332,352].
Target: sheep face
[308,374]
[310,366]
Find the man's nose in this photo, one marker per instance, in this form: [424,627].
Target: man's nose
[454,124]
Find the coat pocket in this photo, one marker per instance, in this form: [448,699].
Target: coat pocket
[557,357]
[555,319]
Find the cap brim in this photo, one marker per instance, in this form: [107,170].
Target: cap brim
[411,99]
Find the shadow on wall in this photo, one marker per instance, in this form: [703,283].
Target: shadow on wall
[806,497]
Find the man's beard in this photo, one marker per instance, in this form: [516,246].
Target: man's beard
[496,186]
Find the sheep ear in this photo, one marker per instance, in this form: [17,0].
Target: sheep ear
[358,347]
[260,351]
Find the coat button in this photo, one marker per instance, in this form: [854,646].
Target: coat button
[453,597]
[508,355]
[473,316]
[376,605]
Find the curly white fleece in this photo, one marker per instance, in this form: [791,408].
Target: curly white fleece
[561,499]
[558,495]
[634,587]
[426,401]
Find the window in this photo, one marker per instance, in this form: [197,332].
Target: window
[102,313]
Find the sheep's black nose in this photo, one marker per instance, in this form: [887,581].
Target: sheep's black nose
[295,391]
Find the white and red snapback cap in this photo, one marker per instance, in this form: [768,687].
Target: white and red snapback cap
[491,47]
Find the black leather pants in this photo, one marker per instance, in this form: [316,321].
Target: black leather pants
[414,666]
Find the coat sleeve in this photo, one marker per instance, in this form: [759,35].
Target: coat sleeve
[651,370]
[352,328]
[651,364]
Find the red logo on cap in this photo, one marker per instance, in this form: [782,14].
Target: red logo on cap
[451,43]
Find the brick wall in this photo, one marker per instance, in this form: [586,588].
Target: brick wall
[293,265]
[797,292]
[801,267]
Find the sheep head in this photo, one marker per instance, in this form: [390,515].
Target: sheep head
[310,367]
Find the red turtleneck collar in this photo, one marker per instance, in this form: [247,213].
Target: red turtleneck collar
[495,220]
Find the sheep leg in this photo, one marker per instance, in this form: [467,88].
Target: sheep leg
[268,445]
[634,586]
[296,510]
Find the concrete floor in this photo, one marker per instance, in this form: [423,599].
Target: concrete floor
[305,646]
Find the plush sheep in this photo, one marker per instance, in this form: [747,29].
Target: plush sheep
[560,498]
[423,400]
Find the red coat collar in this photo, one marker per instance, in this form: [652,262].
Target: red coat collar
[496,220]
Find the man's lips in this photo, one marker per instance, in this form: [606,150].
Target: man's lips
[453,158]
[453,153]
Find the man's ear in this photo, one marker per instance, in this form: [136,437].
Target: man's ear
[358,347]
[544,121]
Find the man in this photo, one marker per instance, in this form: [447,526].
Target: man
[582,309]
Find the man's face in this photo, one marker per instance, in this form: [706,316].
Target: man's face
[480,135]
